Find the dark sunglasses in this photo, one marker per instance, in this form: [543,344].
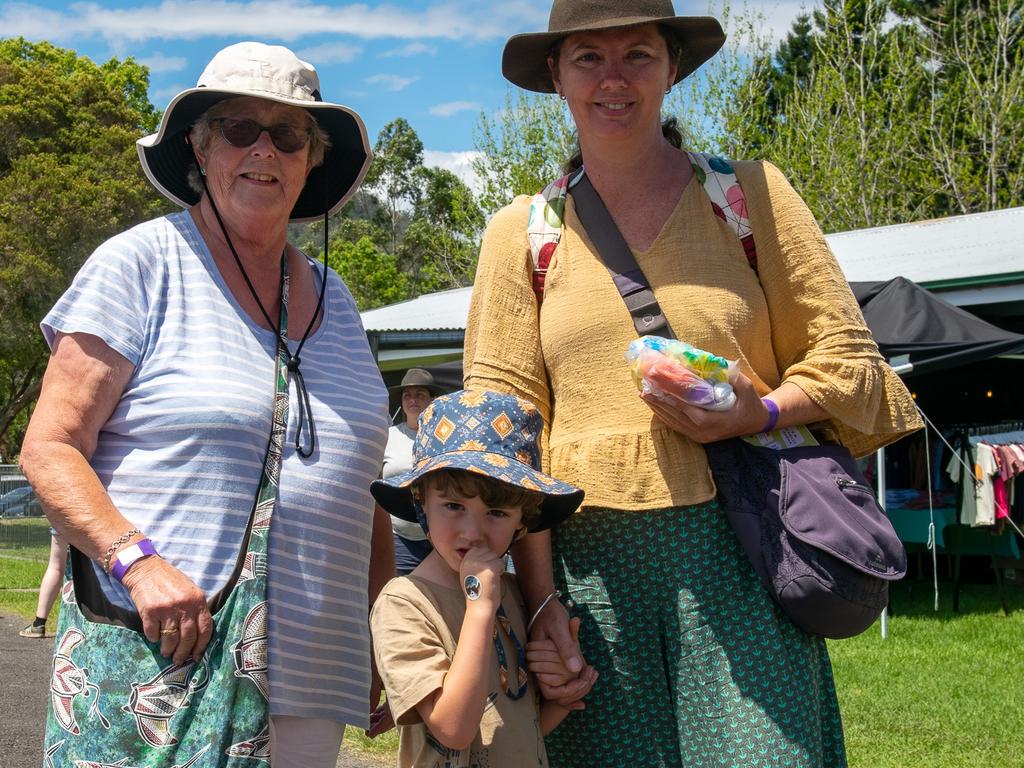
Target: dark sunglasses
[244,133]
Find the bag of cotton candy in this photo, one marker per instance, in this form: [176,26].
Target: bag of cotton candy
[674,371]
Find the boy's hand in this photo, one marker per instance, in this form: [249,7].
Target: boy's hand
[573,692]
[483,564]
[381,721]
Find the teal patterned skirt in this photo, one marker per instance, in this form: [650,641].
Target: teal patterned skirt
[698,666]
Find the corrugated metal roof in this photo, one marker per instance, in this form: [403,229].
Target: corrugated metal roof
[441,311]
[958,249]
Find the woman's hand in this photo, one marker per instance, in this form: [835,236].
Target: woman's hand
[542,658]
[747,417]
[553,625]
[173,609]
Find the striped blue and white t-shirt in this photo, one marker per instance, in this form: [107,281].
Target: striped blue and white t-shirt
[182,453]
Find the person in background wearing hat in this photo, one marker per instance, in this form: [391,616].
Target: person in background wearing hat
[448,638]
[149,439]
[698,666]
[415,392]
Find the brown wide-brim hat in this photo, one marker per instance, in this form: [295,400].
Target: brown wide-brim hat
[525,59]
[417,377]
[274,73]
[414,377]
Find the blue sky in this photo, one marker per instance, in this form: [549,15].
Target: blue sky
[437,63]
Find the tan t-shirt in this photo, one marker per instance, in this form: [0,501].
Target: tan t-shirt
[415,625]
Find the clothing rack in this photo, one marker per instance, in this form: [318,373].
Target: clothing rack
[992,433]
[996,438]
[989,428]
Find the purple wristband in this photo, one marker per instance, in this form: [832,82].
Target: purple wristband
[773,414]
[128,556]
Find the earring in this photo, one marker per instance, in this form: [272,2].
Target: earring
[202,171]
[667,92]
[561,96]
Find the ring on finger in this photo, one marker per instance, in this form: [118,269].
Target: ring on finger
[171,630]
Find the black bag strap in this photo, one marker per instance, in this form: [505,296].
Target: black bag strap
[629,279]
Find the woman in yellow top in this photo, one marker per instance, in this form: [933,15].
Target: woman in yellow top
[698,667]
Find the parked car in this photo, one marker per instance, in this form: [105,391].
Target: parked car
[21,502]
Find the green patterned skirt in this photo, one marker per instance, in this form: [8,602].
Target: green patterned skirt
[699,667]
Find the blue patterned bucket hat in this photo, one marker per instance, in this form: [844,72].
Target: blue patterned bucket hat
[484,432]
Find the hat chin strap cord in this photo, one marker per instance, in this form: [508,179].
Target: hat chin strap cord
[294,361]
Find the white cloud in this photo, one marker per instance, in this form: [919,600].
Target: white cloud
[459,163]
[254,19]
[779,16]
[390,82]
[768,21]
[162,97]
[454,107]
[160,63]
[329,53]
[412,49]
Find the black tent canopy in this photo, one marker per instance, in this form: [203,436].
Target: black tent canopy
[914,326]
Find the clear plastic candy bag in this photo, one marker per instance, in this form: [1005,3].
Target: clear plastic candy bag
[674,371]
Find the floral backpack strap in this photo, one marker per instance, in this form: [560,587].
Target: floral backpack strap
[716,176]
[544,230]
[727,199]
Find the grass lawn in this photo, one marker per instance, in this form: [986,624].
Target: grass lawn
[24,551]
[384,746]
[944,690]
[26,537]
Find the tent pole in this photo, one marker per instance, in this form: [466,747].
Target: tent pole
[880,473]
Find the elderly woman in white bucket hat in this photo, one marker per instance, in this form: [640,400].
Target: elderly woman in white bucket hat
[210,421]
[698,666]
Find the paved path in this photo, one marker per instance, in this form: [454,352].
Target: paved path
[24,674]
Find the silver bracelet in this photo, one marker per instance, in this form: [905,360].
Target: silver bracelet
[543,605]
[122,539]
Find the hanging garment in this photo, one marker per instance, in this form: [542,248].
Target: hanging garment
[958,474]
[985,469]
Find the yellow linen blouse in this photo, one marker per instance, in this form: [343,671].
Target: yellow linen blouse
[800,323]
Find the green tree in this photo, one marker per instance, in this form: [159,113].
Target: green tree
[397,155]
[361,216]
[881,111]
[848,133]
[974,134]
[412,229]
[522,148]
[439,248]
[369,271]
[69,178]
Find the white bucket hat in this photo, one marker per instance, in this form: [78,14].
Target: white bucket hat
[269,72]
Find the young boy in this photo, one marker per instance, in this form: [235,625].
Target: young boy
[448,638]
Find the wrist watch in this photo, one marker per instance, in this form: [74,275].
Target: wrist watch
[128,556]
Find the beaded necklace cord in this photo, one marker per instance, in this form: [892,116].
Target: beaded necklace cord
[503,623]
